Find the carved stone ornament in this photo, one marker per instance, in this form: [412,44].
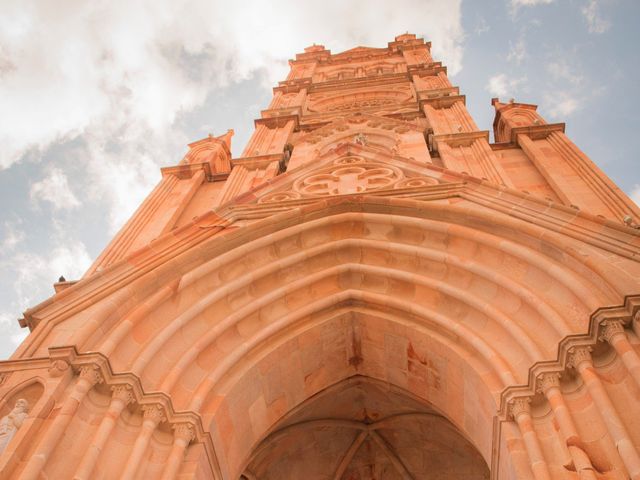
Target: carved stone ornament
[277,197]
[91,373]
[185,431]
[578,355]
[58,368]
[123,392]
[416,182]
[11,423]
[610,329]
[547,381]
[154,412]
[519,406]
[360,139]
[347,179]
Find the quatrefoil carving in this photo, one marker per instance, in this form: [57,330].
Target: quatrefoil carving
[348,177]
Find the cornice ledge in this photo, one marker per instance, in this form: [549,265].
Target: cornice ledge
[624,314]
[536,132]
[434,93]
[464,139]
[186,170]
[278,121]
[443,101]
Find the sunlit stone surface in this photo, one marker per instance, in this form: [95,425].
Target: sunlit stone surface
[373,290]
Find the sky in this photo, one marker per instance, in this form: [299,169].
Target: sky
[96,96]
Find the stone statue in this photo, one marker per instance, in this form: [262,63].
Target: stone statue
[10,423]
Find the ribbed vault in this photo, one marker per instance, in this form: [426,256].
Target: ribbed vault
[364,429]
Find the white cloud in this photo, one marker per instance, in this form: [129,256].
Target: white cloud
[29,277]
[515,4]
[12,236]
[595,22]
[635,194]
[501,85]
[560,70]
[119,79]
[560,105]
[55,189]
[517,52]
[482,26]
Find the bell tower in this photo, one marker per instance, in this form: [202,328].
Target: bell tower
[372,290]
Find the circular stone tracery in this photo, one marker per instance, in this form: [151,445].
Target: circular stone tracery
[348,175]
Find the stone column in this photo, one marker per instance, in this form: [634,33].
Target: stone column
[614,334]
[120,398]
[153,416]
[521,413]
[183,435]
[581,360]
[550,386]
[89,376]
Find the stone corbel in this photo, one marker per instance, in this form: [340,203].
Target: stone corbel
[442,101]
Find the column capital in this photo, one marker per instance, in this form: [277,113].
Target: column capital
[154,412]
[546,381]
[91,373]
[611,328]
[519,406]
[578,355]
[185,431]
[123,392]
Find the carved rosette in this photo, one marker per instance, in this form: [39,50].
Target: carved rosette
[123,392]
[348,176]
[154,412]
[547,381]
[610,329]
[578,355]
[519,406]
[91,373]
[185,431]
[58,368]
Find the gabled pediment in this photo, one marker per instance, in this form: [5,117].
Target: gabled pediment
[359,51]
[351,168]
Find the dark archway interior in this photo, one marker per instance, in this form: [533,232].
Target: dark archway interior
[363,429]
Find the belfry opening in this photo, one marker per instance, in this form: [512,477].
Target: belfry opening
[375,289]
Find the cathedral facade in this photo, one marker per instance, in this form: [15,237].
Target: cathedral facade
[373,290]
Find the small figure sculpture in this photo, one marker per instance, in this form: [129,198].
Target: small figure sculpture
[360,139]
[10,423]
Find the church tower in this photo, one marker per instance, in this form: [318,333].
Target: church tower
[373,290]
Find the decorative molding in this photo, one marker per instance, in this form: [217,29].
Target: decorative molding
[96,368]
[154,412]
[123,392]
[92,373]
[547,381]
[579,354]
[184,431]
[610,329]
[519,406]
[572,350]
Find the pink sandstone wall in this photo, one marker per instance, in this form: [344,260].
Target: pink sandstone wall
[372,291]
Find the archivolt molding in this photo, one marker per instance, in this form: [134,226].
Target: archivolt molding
[211,225]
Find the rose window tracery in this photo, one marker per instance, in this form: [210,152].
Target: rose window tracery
[347,176]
